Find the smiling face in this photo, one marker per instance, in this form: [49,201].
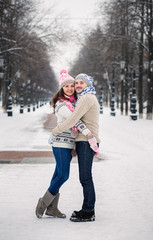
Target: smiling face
[80,85]
[68,89]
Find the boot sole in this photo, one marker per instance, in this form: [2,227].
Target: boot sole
[73,219]
[53,216]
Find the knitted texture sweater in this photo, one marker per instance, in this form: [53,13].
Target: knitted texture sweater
[64,139]
[87,109]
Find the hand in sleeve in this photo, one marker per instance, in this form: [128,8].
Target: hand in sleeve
[82,127]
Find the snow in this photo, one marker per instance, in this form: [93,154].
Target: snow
[123,182]
[24,131]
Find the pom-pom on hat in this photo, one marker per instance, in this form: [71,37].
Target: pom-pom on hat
[87,79]
[65,78]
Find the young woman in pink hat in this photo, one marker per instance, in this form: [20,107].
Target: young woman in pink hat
[63,146]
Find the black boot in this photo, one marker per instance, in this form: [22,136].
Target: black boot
[76,213]
[81,216]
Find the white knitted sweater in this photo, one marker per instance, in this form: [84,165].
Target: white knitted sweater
[64,139]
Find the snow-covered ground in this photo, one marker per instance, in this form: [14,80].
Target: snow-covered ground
[24,131]
[123,182]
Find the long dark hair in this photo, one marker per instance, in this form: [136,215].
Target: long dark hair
[60,94]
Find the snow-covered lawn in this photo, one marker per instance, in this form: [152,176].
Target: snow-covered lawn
[123,183]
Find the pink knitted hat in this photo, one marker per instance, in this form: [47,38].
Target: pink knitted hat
[65,78]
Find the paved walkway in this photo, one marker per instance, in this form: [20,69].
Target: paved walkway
[21,156]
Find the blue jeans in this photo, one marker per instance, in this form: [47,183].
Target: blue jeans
[85,160]
[61,174]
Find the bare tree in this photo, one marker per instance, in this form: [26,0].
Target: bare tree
[126,36]
[24,45]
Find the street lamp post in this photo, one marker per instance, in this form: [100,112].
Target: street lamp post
[9,107]
[22,98]
[101,101]
[122,66]
[126,89]
[38,92]
[28,100]
[40,98]
[130,93]
[34,97]
[133,109]
[113,113]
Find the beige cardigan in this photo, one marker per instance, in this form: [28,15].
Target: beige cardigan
[87,109]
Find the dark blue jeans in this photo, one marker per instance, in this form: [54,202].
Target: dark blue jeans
[85,160]
[61,174]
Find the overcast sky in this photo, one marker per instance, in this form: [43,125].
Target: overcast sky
[73,8]
[79,14]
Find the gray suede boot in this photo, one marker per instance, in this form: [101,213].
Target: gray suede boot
[43,203]
[52,209]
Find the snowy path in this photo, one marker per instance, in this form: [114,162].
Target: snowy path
[24,131]
[123,182]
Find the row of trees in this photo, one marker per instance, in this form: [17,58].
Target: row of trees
[127,36]
[23,49]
